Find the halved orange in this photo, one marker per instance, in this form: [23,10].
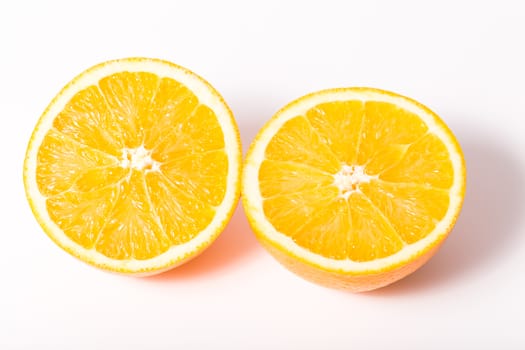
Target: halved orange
[353,188]
[134,167]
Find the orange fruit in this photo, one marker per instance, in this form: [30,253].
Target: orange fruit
[134,166]
[353,188]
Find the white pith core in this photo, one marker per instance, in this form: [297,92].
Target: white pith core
[138,158]
[349,178]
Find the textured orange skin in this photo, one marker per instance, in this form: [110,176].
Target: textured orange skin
[345,281]
[349,281]
[353,281]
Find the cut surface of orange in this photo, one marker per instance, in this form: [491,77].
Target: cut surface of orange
[353,188]
[134,167]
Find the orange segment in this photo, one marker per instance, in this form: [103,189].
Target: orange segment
[87,119]
[324,223]
[339,125]
[182,216]
[172,105]
[132,230]
[358,193]
[199,132]
[129,96]
[134,167]
[374,236]
[61,161]
[386,133]
[289,212]
[425,162]
[413,210]
[282,178]
[327,231]
[81,215]
[351,229]
[298,142]
[96,178]
[389,156]
[202,176]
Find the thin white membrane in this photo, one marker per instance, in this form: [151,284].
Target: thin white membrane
[163,69]
[254,204]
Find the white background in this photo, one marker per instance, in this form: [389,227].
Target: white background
[464,59]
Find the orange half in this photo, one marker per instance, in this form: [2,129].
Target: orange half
[134,167]
[353,188]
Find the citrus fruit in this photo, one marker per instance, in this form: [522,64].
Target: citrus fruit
[134,166]
[353,188]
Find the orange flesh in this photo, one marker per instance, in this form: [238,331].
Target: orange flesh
[355,180]
[133,166]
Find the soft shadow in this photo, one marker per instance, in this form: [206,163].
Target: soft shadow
[234,245]
[487,226]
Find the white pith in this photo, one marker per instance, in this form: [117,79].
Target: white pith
[138,158]
[346,180]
